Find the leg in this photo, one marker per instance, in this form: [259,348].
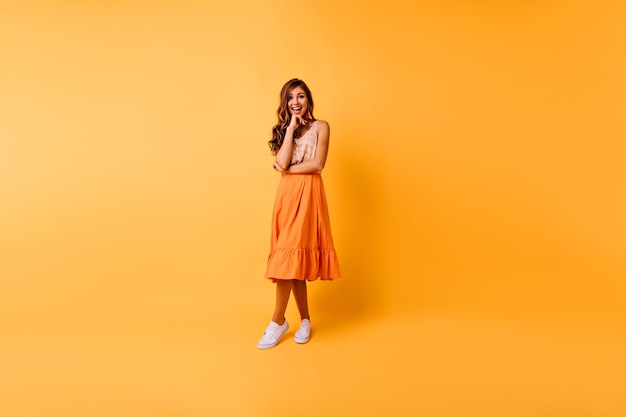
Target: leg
[283,290]
[300,294]
[279,325]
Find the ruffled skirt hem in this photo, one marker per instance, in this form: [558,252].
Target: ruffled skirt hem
[302,264]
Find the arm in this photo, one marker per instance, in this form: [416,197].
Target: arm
[283,156]
[315,165]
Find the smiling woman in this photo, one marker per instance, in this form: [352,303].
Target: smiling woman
[302,244]
[293,97]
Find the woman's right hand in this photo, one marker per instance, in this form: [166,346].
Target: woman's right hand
[296,121]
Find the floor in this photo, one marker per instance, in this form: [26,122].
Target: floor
[434,362]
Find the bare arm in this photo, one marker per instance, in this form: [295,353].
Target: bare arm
[315,165]
[283,156]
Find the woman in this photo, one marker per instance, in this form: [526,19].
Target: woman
[302,245]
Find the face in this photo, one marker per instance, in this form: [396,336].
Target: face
[297,103]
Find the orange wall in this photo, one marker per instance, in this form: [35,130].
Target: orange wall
[476,159]
[476,148]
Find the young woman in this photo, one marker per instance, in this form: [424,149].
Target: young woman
[302,245]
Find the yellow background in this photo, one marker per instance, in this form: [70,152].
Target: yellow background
[476,188]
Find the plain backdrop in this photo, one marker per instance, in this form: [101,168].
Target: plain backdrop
[476,189]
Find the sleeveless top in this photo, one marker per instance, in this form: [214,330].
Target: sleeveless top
[305,146]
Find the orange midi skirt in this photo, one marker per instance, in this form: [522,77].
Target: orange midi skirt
[302,244]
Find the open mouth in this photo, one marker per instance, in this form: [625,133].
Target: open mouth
[296,109]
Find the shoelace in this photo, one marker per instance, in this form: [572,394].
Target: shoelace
[269,332]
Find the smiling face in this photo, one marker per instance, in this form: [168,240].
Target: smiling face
[298,104]
[295,99]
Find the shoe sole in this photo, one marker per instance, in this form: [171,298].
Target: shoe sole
[302,340]
[275,343]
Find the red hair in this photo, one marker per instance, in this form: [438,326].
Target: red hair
[284,117]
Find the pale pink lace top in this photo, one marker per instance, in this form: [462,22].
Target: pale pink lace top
[304,147]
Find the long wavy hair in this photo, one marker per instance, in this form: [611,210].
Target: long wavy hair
[284,116]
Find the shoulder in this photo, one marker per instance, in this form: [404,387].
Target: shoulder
[323,126]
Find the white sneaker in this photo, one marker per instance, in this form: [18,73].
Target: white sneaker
[304,332]
[272,335]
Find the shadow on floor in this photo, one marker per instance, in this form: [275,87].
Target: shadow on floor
[358,225]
